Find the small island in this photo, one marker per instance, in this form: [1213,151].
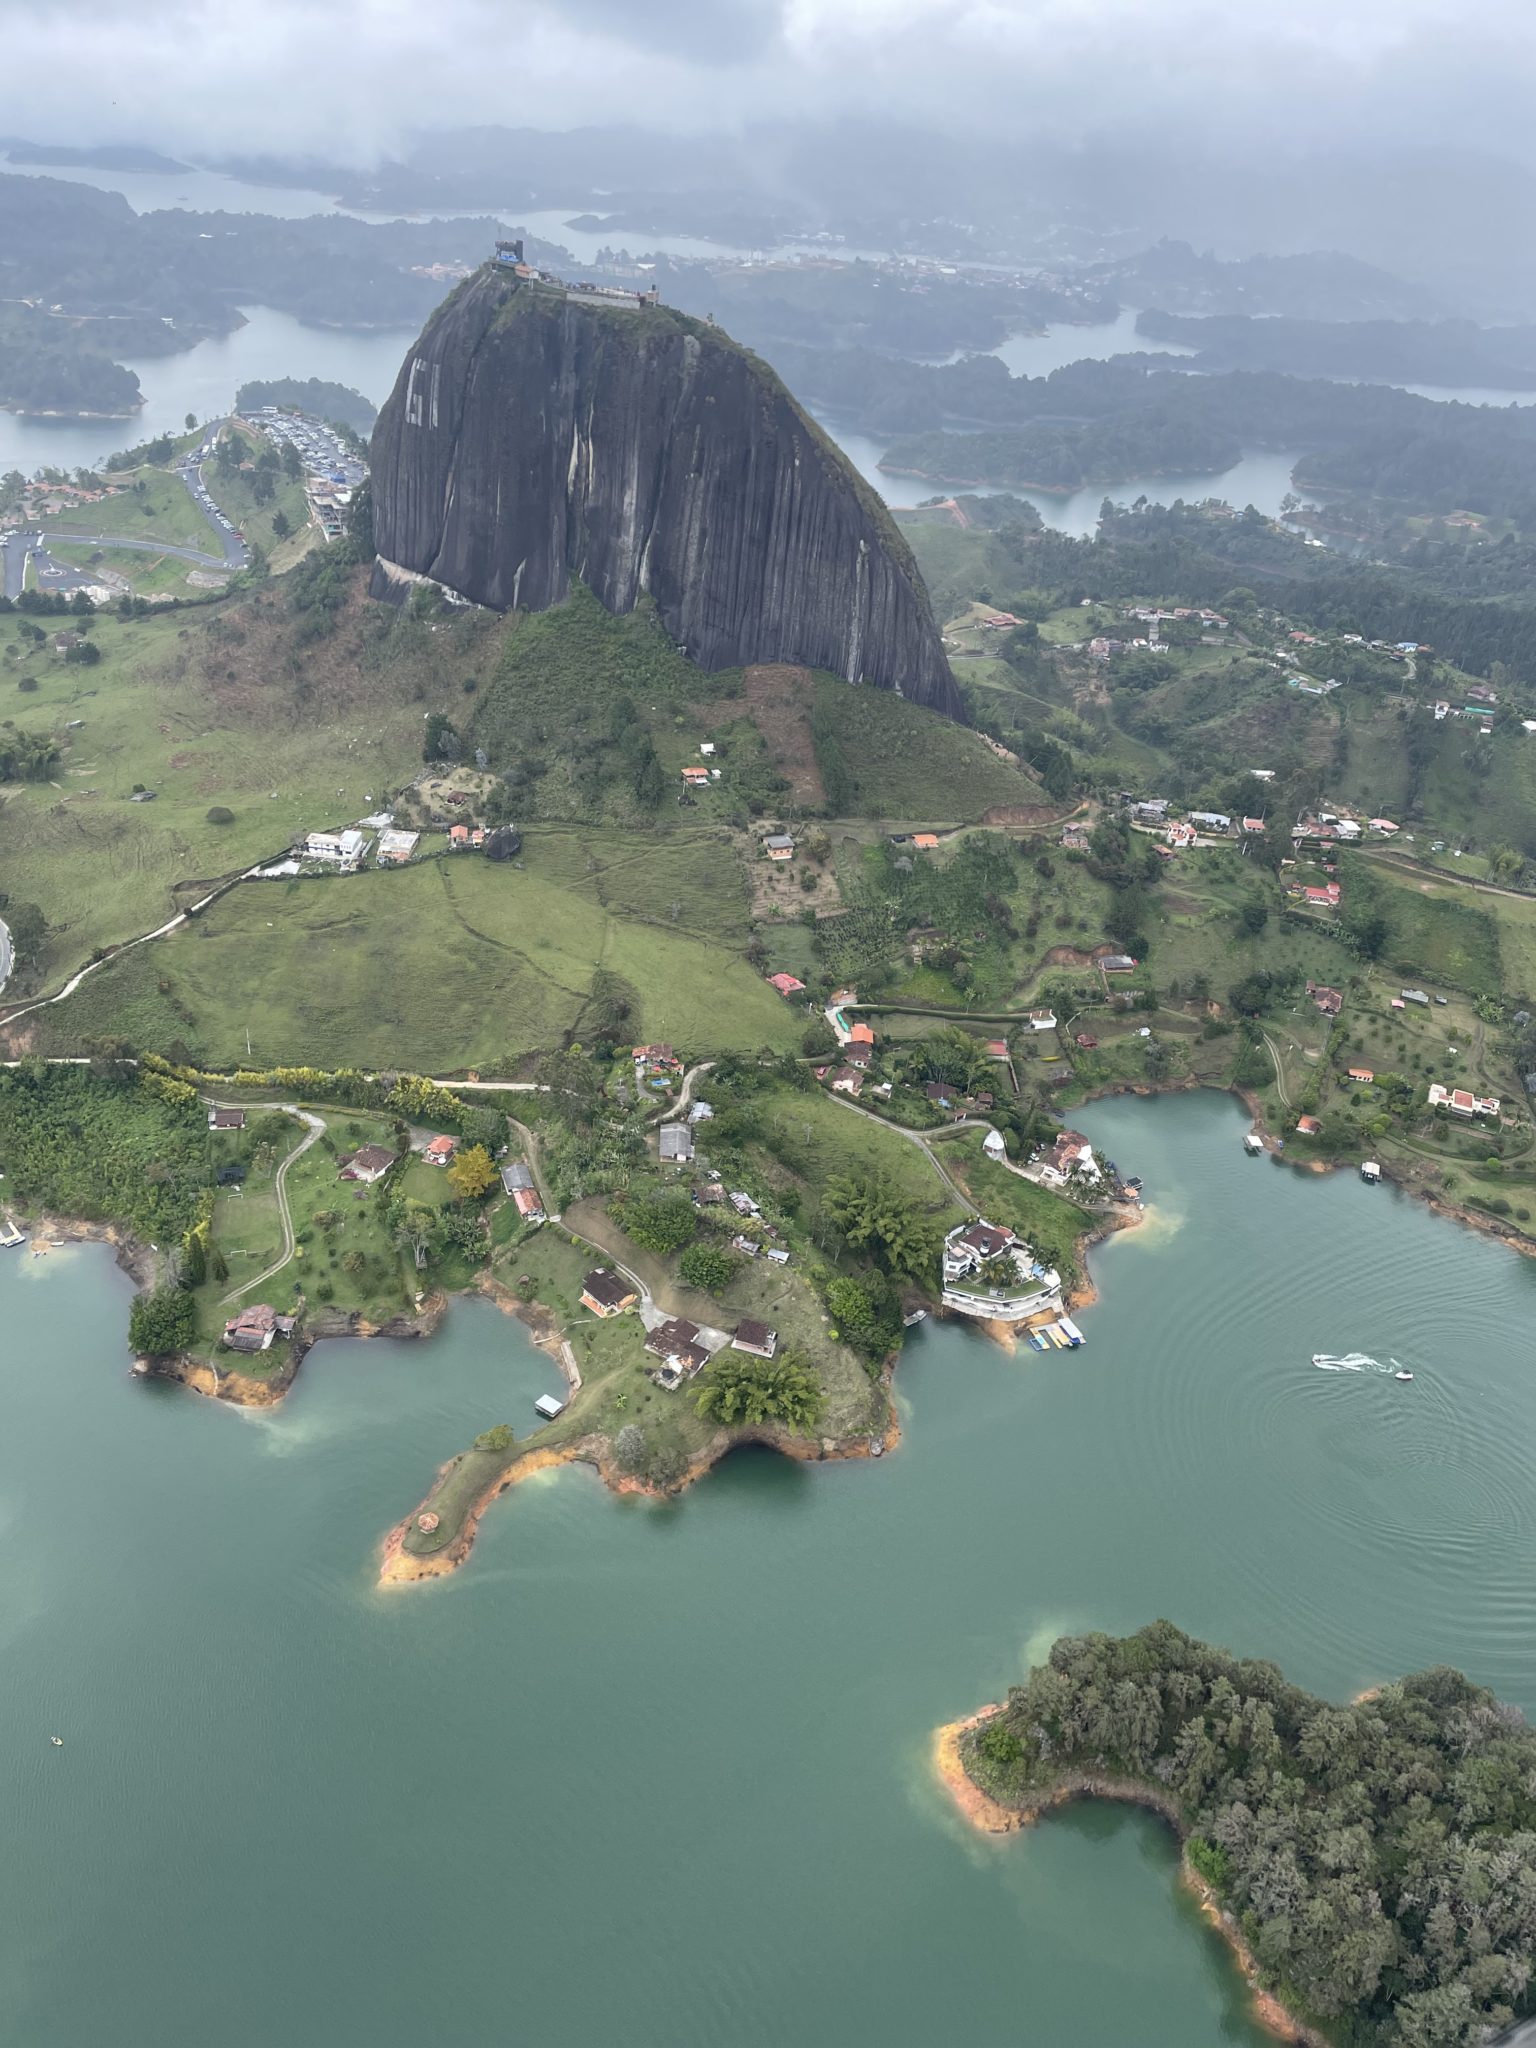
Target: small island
[1372,1866]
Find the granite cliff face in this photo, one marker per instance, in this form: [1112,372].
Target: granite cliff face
[536,435]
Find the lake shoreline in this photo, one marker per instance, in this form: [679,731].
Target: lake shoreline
[399,1566]
[990,1815]
[1441,1204]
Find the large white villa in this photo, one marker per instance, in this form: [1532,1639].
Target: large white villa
[1032,1290]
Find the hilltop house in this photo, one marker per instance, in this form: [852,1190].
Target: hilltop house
[1016,1285]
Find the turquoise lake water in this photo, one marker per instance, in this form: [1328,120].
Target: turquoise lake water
[661,1773]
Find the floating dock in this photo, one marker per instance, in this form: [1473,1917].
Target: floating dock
[1060,1335]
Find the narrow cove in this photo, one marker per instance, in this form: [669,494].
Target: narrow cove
[664,1770]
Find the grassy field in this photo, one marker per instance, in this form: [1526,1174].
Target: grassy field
[343,1259]
[193,711]
[816,1138]
[148,575]
[152,504]
[442,966]
[912,766]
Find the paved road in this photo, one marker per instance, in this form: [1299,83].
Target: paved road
[316,1126]
[53,575]
[190,469]
[7,954]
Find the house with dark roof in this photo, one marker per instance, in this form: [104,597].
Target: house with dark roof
[516,1175]
[676,1343]
[1016,1285]
[367,1164]
[608,1294]
[755,1338]
[226,1119]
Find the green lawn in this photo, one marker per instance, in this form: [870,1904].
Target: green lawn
[816,1137]
[190,715]
[438,967]
[153,504]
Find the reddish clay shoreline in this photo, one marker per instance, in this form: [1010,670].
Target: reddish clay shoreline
[401,1567]
[991,1816]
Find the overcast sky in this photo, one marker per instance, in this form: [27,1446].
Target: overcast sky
[356,76]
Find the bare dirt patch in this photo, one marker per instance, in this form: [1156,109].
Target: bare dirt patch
[777,890]
[780,699]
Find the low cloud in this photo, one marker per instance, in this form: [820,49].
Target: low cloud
[352,81]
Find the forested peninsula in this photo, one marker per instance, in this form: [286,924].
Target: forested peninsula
[1100,422]
[1373,1865]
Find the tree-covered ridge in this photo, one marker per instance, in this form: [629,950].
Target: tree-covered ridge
[53,365]
[1380,1858]
[321,396]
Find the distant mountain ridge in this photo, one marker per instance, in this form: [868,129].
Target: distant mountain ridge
[538,435]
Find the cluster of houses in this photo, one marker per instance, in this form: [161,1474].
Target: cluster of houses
[698,775]
[990,1272]
[680,1347]
[1341,826]
[391,846]
[1104,647]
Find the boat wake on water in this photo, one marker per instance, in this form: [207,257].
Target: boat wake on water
[1358,1361]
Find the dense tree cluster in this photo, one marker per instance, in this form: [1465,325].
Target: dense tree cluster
[51,365]
[1379,1857]
[86,1147]
[317,396]
[785,1389]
